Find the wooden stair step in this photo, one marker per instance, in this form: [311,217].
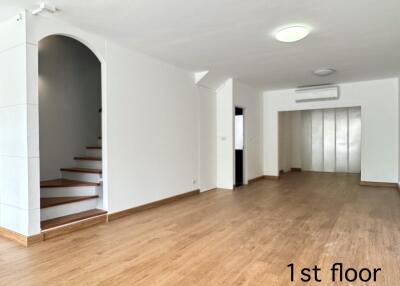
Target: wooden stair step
[87,158]
[82,170]
[93,147]
[55,222]
[51,202]
[64,183]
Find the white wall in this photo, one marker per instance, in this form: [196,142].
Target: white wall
[250,99]
[380,125]
[230,94]
[225,147]
[150,127]
[69,102]
[19,189]
[207,138]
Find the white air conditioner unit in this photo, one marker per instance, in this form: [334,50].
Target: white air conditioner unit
[315,93]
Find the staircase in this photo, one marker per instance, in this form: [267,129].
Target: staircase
[77,195]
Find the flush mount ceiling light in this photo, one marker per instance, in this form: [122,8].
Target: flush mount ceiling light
[292,33]
[324,71]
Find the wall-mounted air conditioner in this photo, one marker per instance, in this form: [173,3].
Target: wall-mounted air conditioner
[315,93]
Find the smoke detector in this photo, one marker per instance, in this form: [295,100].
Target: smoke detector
[324,71]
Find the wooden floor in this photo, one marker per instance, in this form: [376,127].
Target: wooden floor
[242,237]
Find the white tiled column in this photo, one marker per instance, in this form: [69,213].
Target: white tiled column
[19,152]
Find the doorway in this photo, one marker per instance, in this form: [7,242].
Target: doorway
[70,139]
[239,146]
[321,140]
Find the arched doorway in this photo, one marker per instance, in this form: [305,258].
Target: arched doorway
[70,131]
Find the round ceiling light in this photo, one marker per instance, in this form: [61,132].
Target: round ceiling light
[292,33]
[324,71]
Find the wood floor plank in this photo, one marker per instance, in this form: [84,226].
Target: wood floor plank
[221,237]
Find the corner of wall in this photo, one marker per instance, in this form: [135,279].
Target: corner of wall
[20,203]
[225,135]
[398,121]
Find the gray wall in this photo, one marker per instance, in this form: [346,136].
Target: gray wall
[69,100]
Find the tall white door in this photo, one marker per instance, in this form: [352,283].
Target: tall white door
[331,140]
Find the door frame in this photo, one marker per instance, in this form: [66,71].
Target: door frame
[245,179]
[103,202]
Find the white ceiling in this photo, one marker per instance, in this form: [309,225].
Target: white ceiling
[359,38]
